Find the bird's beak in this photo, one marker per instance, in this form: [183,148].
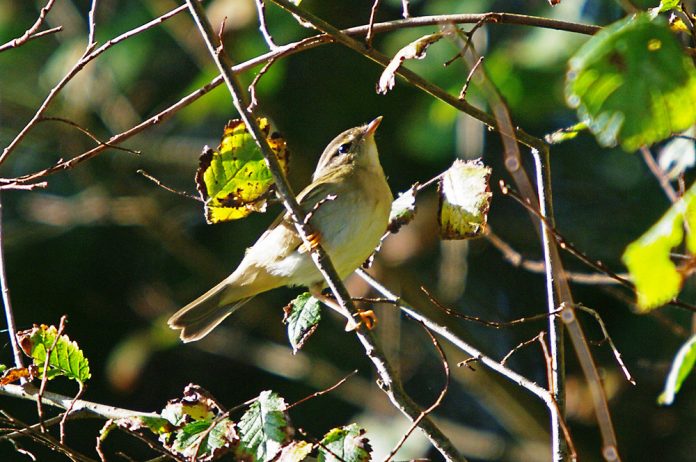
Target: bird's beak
[372,126]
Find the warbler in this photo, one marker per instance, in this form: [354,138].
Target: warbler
[348,203]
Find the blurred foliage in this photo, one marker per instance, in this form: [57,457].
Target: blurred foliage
[118,255]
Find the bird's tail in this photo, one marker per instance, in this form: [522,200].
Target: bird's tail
[203,314]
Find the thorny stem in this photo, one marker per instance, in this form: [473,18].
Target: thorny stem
[390,383]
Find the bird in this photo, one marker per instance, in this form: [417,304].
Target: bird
[348,203]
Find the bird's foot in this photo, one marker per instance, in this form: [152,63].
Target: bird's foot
[368,318]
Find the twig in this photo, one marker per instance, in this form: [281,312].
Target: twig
[32,32]
[167,188]
[88,55]
[521,345]
[494,324]
[252,86]
[91,25]
[388,376]
[659,174]
[9,314]
[573,453]
[44,376]
[263,27]
[435,405]
[516,259]
[88,133]
[67,412]
[608,339]
[292,48]
[465,88]
[371,24]
[322,392]
[404,9]
[444,332]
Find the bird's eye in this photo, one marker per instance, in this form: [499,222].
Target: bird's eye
[344,148]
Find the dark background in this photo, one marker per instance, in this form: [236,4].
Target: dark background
[118,255]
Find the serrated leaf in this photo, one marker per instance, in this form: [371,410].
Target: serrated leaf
[633,83]
[403,209]
[345,444]
[199,440]
[682,365]
[264,428]
[302,318]
[656,277]
[297,451]
[414,50]
[235,181]
[66,358]
[465,198]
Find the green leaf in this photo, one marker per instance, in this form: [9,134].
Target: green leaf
[302,318]
[668,5]
[656,277]
[403,209]
[235,181]
[633,84]
[565,134]
[264,428]
[345,444]
[682,365]
[197,439]
[465,198]
[66,358]
[414,50]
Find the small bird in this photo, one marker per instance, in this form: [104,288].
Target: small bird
[348,201]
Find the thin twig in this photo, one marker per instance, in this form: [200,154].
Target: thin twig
[88,133]
[92,25]
[67,412]
[32,32]
[252,86]
[519,346]
[465,88]
[404,9]
[371,24]
[263,27]
[608,339]
[322,392]
[659,174]
[44,376]
[572,452]
[167,188]
[494,324]
[9,314]
[438,401]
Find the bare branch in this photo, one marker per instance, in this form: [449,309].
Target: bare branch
[371,23]
[9,314]
[263,27]
[32,32]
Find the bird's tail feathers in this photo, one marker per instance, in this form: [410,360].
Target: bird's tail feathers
[203,314]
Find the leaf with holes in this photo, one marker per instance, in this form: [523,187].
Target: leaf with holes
[648,258]
[66,358]
[264,429]
[302,318]
[682,366]
[235,181]
[345,444]
[633,84]
[465,198]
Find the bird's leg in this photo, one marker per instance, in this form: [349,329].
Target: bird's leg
[366,317]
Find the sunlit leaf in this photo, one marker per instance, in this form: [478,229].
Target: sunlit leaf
[302,318]
[633,83]
[264,428]
[682,365]
[15,374]
[678,155]
[66,358]
[297,451]
[565,134]
[414,50]
[235,181]
[655,275]
[465,198]
[403,209]
[345,444]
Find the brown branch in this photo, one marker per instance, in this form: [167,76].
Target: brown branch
[371,24]
[322,392]
[263,27]
[659,174]
[9,314]
[44,375]
[32,32]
